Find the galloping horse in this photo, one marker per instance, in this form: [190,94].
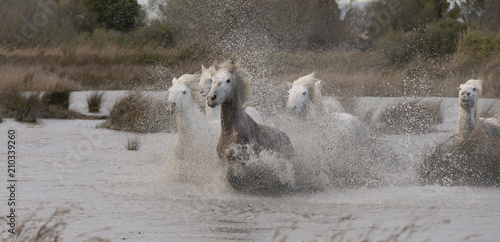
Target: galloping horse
[241,137]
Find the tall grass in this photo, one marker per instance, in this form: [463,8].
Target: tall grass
[94,101]
[48,229]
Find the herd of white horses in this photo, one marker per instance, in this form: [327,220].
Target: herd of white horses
[240,131]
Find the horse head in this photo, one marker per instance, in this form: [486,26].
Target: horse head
[301,94]
[469,92]
[179,94]
[206,79]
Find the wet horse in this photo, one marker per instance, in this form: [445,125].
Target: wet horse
[241,137]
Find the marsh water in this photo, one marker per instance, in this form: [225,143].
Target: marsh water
[121,195]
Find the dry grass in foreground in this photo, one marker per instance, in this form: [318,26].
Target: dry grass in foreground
[36,229]
[416,228]
[472,162]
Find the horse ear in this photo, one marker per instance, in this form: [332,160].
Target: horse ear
[289,85]
[175,81]
[317,85]
[203,67]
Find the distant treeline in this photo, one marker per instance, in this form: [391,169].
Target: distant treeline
[400,29]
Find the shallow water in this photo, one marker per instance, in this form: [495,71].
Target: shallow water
[126,195]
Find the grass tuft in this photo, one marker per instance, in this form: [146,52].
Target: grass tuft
[412,116]
[94,101]
[133,143]
[28,108]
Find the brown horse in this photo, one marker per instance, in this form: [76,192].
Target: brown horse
[241,137]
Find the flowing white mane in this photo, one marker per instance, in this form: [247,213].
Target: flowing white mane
[242,77]
[191,80]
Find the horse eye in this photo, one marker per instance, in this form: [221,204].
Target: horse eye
[184,92]
[228,81]
[304,93]
[474,89]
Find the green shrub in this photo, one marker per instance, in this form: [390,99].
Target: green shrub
[479,44]
[411,116]
[120,15]
[159,32]
[439,38]
[397,46]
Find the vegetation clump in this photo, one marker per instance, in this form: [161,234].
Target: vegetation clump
[94,101]
[137,113]
[474,161]
[412,116]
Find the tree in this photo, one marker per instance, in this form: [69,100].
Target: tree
[122,15]
[283,23]
[404,15]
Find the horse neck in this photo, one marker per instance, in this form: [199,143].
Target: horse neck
[189,120]
[232,114]
[467,120]
[212,114]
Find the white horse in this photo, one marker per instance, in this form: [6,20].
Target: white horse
[306,102]
[213,114]
[468,120]
[193,129]
[305,97]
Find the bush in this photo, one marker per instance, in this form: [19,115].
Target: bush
[57,98]
[397,46]
[472,162]
[94,101]
[439,38]
[159,32]
[122,15]
[412,116]
[479,44]
[29,108]
[136,113]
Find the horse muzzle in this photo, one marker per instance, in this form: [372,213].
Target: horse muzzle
[171,107]
[212,101]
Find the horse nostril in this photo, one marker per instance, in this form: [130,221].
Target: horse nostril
[214,97]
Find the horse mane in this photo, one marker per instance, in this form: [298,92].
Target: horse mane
[242,78]
[212,70]
[478,84]
[191,80]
